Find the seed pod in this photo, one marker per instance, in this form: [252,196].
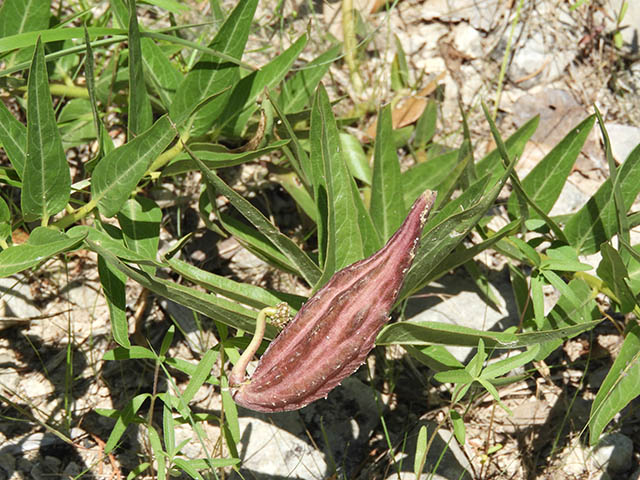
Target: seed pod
[334,331]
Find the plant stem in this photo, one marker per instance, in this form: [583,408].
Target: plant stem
[350,45]
[70,219]
[239,370]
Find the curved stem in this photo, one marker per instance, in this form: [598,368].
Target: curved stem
[239,370]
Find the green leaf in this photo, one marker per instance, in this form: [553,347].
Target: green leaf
[515,146]
[454,376]
[619,387]
[46,179]
[246,293]
[158,69]
[537,299]
[622,223]
[158,452]
[448,228]
[304,265]
[422,332]
[117,174]
[458,426]
[294,187]
[387,204]
[597,221]
[502,367]
[436,357]
[216,156]
[298,90]
[427,175]
[545,182]
[201,302]
[421,451]
[125,417]
[521,293]
[355,158]
[399,68]
[140,220]
[111,241]
[426,126]
[113,286]
[133,352]
[462,255]
[105,144]
[230,412]
[172,6]
[578,308]
[457,176]
[20,16]
[28,39]
[43,243]
[188,466]
[13,137]
[160,72]
[614,273]
[242,101]
[167,340]
[5,222]
[139,113]
[344,236]
[256,243]
[212,74]
[200,375]
[298,158]
[168,430]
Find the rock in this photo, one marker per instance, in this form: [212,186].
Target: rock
[537,61]
[481,15]
[614,453]
[624,138]
[464,306]
[571,199]
[467,40]
[16,305]
[575,459]
[7,465]
[277,444]
[452,464]
[268,450]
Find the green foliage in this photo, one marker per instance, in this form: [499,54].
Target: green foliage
[178,102]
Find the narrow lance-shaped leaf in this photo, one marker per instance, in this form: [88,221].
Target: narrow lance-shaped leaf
[545,182]
[387,204]
[307,269]
[345,231]
[597,221]
[140,116]
[242,102]
[298,90]
[13,138]
[619,387]
[46,178]
[334,331]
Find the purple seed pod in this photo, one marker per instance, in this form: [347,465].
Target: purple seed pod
[334,331]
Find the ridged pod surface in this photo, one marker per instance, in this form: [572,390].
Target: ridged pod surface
[334,331]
